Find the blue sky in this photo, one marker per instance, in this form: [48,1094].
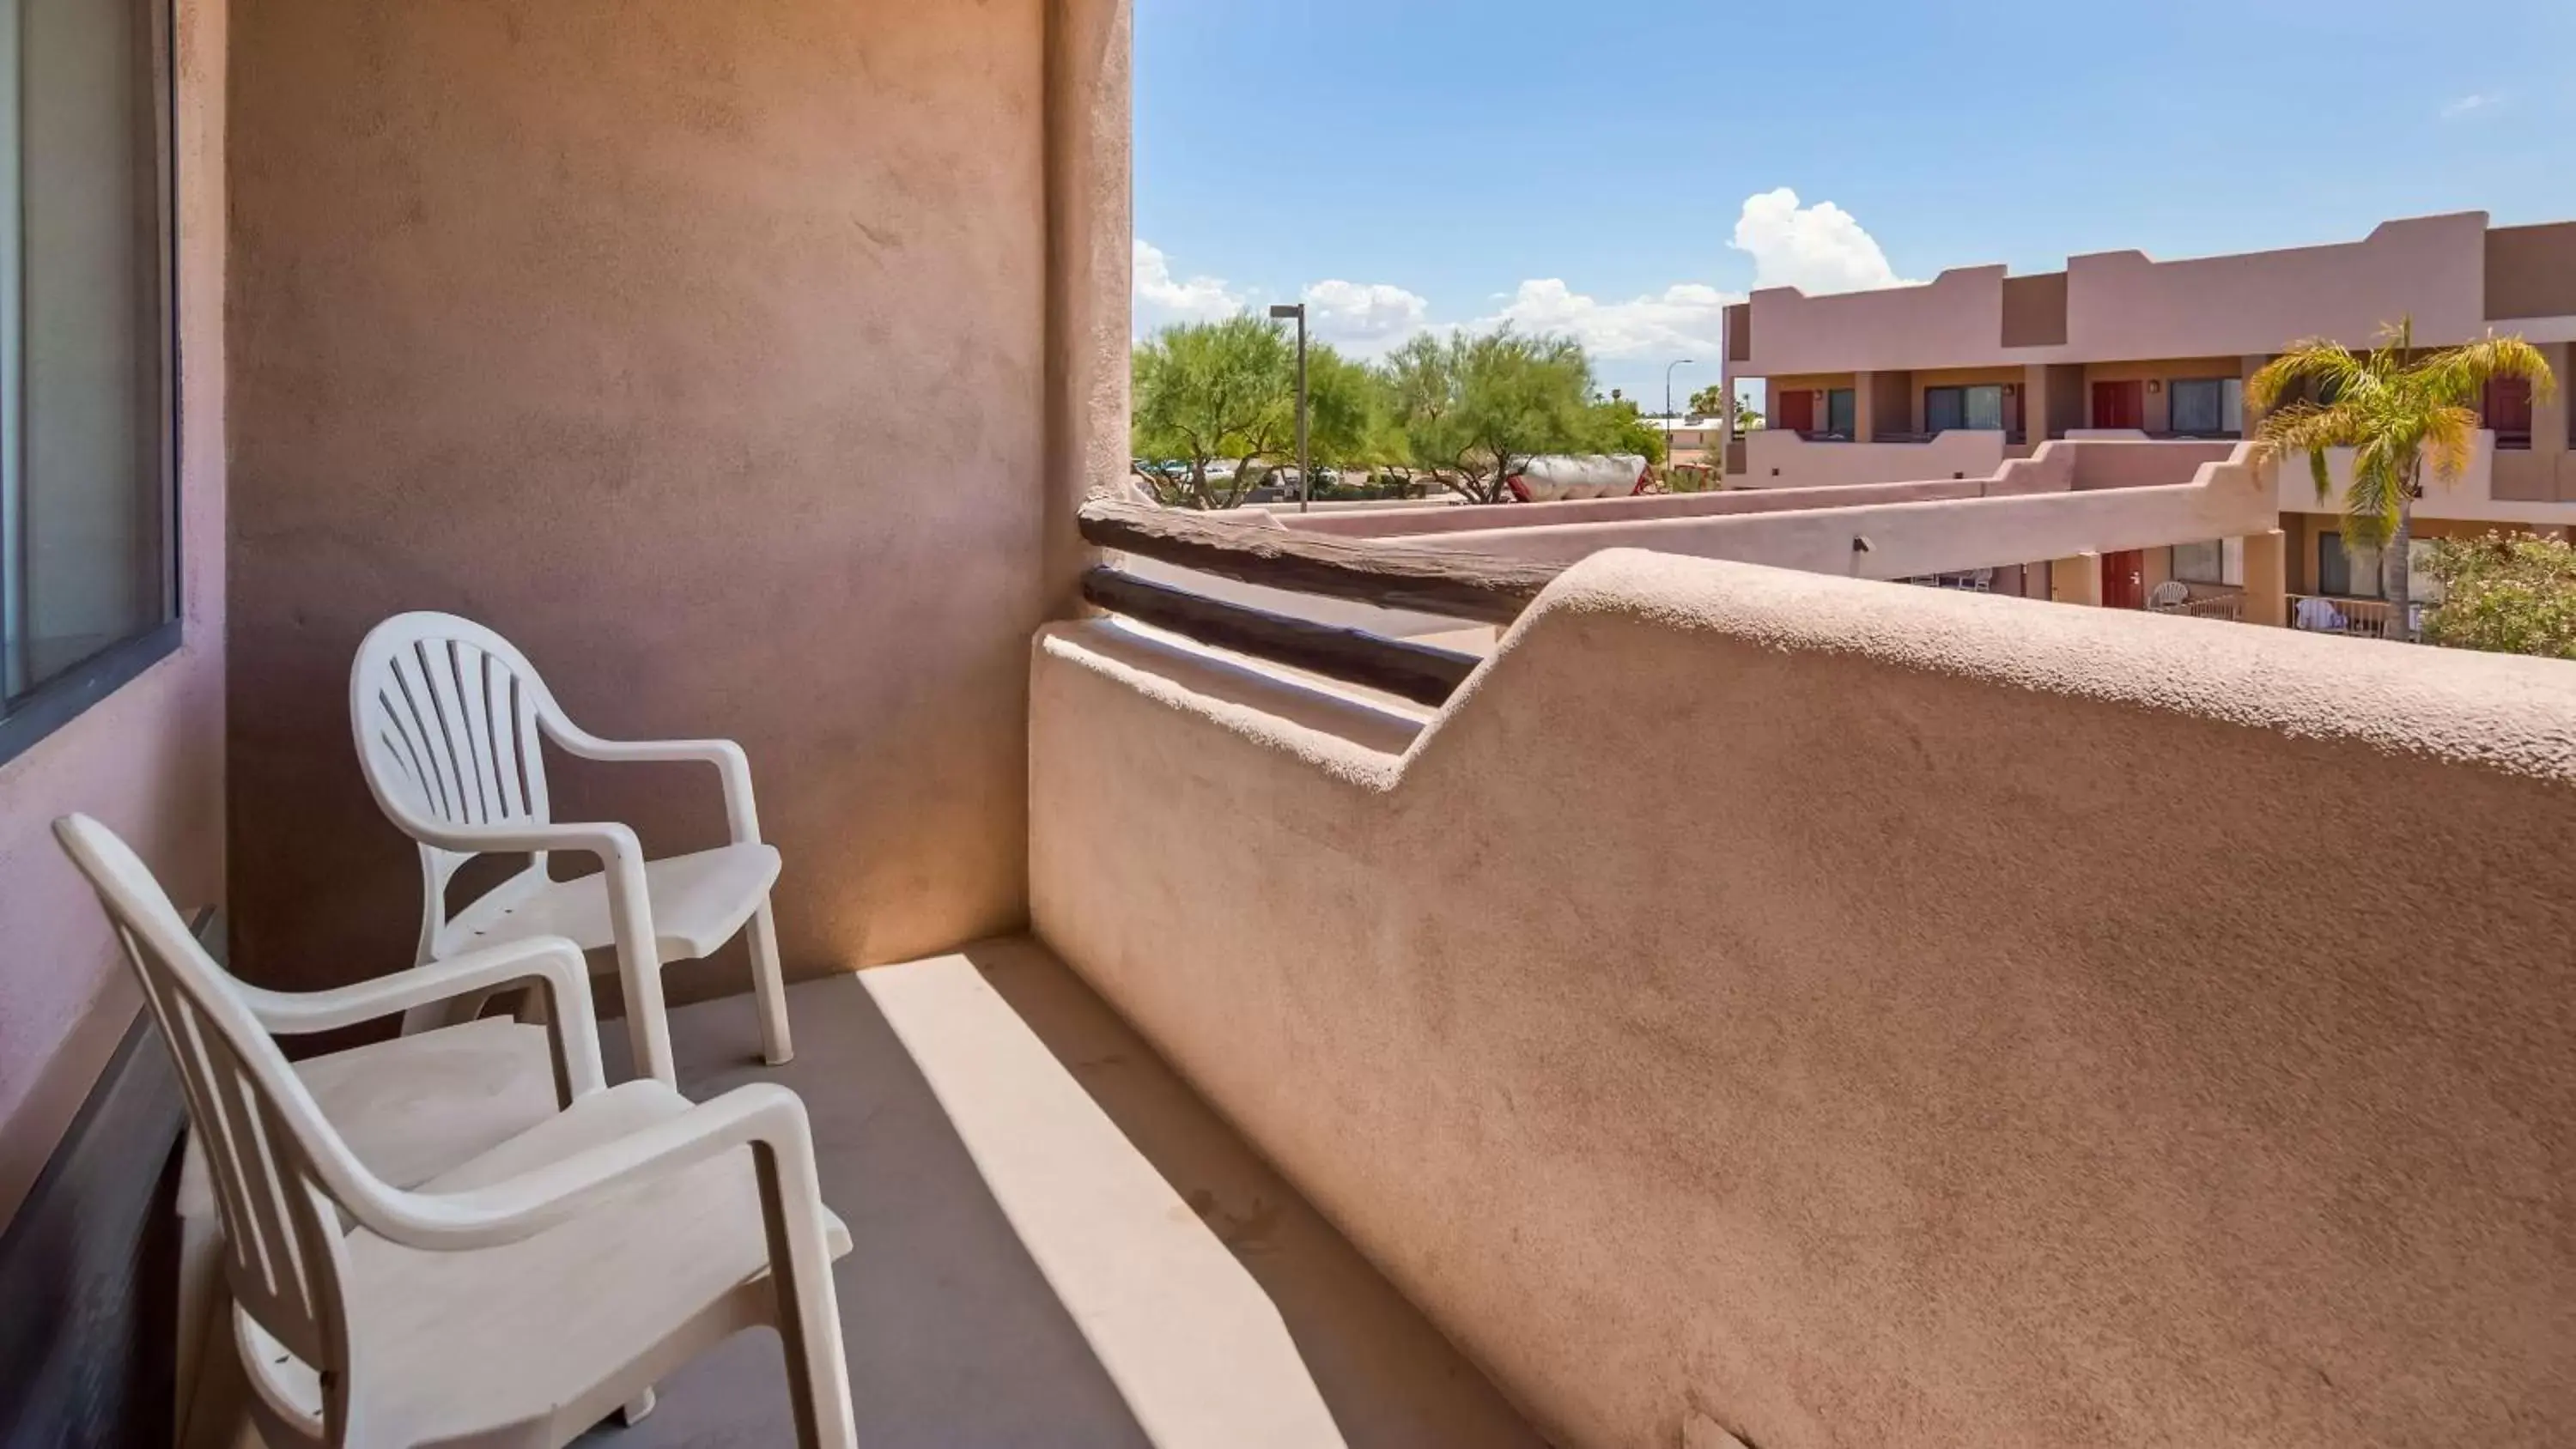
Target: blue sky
[1409,163]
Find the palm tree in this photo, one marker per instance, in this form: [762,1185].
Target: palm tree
[2397,412]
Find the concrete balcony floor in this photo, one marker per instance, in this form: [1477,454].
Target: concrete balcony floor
[1020,1276]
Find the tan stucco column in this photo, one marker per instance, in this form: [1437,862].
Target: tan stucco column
[1090,244]
[1864,408]
[2267,578]
[2076,580]
[2035,421]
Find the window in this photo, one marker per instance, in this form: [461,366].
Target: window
[1980,408]
[2507,410]
[2208,407]
[88,578]
[1841,412]
[2201,563]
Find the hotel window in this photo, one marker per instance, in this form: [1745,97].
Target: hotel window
[2507,410]
[1979,409]
[2208,407]
[88,558]
[2201,563]
[1841,412]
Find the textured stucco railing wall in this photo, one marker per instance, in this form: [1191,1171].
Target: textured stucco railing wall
[1906,539]
[1864,1015]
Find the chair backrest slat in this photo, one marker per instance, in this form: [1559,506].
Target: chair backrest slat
[284,1258]
[446,716]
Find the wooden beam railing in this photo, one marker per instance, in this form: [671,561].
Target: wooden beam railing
[1417,672]
[1455,585]
[1388,575]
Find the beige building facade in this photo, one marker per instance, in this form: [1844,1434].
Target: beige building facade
[1950,378]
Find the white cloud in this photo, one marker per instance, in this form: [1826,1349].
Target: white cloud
[2470,105]
[1160,297]
[1816,249]
[1682,318]
[1366,317]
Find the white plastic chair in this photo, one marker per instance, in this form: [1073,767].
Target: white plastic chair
[520,1297]
[2168,596]
[449,718]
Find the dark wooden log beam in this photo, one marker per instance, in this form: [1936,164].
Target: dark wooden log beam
[1368,571]
[1416,672]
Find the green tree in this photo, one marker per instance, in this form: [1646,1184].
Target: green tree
[1472,409]
[2398,412]
[1346,412]
[2505,593]
[1205,391]
[1617,427]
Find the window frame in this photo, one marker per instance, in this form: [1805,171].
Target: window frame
[36,714]
[2220,385]
[2217,556]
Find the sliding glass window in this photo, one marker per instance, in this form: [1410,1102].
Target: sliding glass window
[88,546]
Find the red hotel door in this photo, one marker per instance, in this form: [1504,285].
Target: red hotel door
[2120,404]
[1797,411]
[2124,579]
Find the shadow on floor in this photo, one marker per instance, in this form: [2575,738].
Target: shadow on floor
[1389,1377]
[954,1336]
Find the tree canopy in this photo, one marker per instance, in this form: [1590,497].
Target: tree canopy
[1472,408]
[2506,593]
[1215,407]
[1210,391]
[1226,392]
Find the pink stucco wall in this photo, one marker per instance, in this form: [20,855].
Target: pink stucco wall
[1856,1015]
[1894,540]
[1954,320]
[1777,458]
[1394,523]
[2126,305]
[2123,304]
[148,759]
[742,362]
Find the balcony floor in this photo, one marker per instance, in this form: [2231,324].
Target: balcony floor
[955,1334]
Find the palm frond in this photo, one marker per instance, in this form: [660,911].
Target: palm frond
[2330,367]
[2450,440]
[2459,375]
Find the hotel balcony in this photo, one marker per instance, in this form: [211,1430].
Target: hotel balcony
[1622,972]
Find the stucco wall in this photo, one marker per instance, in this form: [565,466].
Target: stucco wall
[1907,539]
[1878,1016]
[2125,304]
[148,759]
[704,350]
[1778,458]
[1393,523]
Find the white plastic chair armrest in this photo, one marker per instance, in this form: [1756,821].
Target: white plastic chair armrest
[762,1113]
[630,909]
[733,767]
[550,961]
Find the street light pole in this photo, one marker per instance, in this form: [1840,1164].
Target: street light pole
[1305,474]
[1668,409]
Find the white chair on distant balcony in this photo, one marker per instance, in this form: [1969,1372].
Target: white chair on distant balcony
[2168,596]
[449,718]
[519,1297]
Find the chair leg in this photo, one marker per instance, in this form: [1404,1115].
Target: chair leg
[769,988]
[809,1317]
